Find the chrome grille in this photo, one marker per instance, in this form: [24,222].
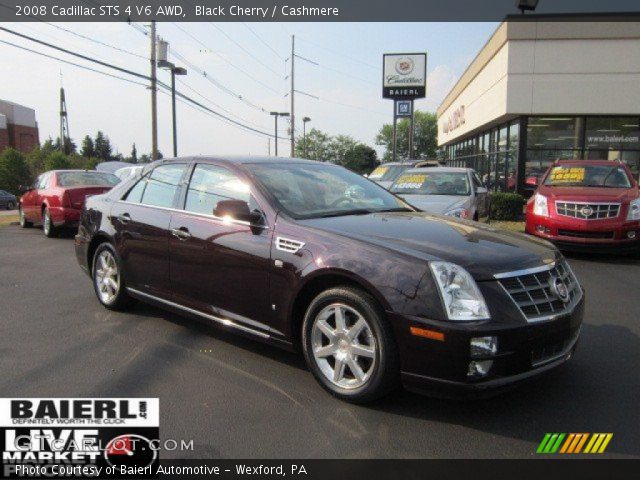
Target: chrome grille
[588,211]
[532,292]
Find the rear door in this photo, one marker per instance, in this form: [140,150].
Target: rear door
[141,221]
[220,266]
[482,199]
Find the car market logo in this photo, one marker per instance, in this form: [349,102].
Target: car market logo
[404,65]
[574,443]
[81,437]
[559,289]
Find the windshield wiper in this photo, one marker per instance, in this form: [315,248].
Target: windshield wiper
[395,209]
[341,213]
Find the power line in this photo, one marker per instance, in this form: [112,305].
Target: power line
[73,64]
[334,52]
[138,75]
[262,41]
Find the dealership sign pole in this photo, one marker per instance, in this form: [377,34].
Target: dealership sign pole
[404,78]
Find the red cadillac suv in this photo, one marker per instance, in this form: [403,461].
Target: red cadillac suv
[56,198]
[586,203]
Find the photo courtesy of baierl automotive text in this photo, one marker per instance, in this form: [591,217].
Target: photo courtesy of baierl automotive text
[319,239]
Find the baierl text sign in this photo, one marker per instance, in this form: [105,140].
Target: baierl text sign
[404,75]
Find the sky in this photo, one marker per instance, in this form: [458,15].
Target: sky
[247,60]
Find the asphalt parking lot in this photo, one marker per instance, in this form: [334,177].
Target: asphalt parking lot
[237,398]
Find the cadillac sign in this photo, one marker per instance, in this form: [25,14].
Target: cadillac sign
[404,75]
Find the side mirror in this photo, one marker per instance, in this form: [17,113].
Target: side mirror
[24,188]
[236,209]
[481,190]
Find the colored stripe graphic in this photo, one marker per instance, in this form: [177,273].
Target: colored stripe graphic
[573,443]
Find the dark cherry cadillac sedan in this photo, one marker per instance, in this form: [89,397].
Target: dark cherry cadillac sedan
[307,254]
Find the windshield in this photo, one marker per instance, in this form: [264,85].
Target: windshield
[78,179]
[387,173]
[432,183]
[323,190]
[602,176]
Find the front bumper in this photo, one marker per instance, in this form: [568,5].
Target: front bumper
[440,367]
[587,234]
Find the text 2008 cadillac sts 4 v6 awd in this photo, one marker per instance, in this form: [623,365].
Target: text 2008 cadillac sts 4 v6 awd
[309,254]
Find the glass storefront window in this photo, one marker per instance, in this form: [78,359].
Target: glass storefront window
[553,132]
[612,133]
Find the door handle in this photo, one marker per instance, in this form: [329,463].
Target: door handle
[181,233]
[124,218]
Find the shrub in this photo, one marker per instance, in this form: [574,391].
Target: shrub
[506,206]
[14,171]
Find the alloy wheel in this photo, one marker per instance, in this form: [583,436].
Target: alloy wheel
[106,277]
[343,345]
[46,223]
[23,219]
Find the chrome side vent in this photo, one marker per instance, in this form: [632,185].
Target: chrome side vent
[288,245]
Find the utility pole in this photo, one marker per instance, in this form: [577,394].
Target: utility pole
[64,124]
[154,96]
[304,135]
[293,123]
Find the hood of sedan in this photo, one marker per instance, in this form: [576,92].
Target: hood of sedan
[436,203]
[480,249]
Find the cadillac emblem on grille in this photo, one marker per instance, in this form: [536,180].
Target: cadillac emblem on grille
[586,211]
[559,289]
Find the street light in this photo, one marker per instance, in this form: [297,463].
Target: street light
[174,71]
[276,115]
[526,5]
[304,135]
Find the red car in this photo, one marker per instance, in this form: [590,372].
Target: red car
[56,198]
[586,203]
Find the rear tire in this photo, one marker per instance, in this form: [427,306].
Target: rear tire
[24,223]
[108,283]
[49,229]
[349,345]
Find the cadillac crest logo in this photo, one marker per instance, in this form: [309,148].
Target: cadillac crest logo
[586,211]
[559,289]
[404,65]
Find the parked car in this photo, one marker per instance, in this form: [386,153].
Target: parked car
[586,203]
[56,198]
[126,172]
[456,192]
[310,255]
[7,200]
[386,173]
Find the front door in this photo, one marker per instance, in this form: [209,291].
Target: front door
[219,265]
[141,221]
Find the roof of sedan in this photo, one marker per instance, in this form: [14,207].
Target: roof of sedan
[588,162]
[437,169]
[253,159]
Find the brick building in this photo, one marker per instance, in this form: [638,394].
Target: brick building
[18,127]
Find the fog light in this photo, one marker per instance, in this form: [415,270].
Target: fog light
[479,368]
[540,228]
[483,346]
[631,234]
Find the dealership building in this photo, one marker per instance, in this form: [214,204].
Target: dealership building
[545,88]
[18,127]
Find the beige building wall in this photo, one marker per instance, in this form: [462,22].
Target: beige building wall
[546,68]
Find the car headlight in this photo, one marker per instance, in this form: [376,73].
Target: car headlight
[540,206]
[460,294]
[458,212]
[634,210]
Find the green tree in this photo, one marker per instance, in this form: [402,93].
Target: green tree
[102,147]
[14,171]
[360,158]
[134,154]
[57,161]
[36,159]
[318,146]
[69,145]
[88,149]
[425,137]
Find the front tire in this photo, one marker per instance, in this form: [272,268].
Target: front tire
[11,205]
[349,346]
[48,227]
[24,223]
[107,279]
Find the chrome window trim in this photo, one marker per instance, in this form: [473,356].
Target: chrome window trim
[197,214]
[222,321]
